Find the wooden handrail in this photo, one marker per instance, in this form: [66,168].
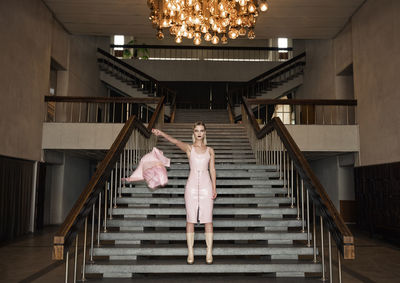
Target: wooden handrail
[340,232]
[230,110]
[345,102]
[86,99]
[280,66]
[64,236]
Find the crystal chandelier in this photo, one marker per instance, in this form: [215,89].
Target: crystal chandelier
[211,20]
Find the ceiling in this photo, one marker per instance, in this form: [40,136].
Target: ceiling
[297,19]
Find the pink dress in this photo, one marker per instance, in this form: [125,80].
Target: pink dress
[198,190]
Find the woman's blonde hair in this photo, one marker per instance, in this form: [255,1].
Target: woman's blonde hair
[200,123]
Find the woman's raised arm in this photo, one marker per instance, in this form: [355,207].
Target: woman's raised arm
[183,146]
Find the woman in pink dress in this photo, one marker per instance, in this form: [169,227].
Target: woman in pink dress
[200,190]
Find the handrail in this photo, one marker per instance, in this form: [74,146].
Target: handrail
[83,99]
[341,233]
[280,66]
[64,236]
[230,110]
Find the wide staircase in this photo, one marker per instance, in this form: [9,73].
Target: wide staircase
[256,230]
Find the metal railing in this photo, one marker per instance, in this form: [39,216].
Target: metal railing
[305,111]
[269,79]
[203,53]
[273,145]
[95,204]
[74,109]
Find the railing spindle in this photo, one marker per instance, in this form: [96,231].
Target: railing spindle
[76,258]
[322,248]
[92,237]
[84,252]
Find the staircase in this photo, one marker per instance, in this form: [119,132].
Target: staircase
[272,84]
[255,229]
[205,115]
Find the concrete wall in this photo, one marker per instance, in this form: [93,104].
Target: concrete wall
[66,177]
[376,59]
[336,138]
[326,171]
[30,38]
[202,70]
[25,28]
[370,43]
[336,176]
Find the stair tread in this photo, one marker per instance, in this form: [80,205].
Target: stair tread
[169,265]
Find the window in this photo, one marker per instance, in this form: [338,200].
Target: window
[282,43]
[284,112]
[119,40]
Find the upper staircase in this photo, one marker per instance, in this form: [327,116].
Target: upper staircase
[273,83]
[205,115]
[255,228]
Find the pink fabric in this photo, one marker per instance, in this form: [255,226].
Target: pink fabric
[151,168]
[198,191]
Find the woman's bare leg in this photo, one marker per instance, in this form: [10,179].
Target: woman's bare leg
[190,242]
[209,235]
[190,227]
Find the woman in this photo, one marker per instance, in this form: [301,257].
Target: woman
[200,190]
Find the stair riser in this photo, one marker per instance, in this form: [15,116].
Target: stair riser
[218,236]
[220,191]
[216,223]
[216,211]
[217,251]
[228,182]
[217,201]
[203,268]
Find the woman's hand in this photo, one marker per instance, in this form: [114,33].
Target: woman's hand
[156,132]
[214,195]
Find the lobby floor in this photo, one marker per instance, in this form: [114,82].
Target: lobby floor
[29,260]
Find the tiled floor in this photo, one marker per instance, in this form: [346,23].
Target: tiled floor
[29,260]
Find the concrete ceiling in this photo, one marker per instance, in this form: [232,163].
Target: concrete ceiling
[297,19]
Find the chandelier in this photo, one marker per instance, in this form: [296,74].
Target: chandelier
[212,20]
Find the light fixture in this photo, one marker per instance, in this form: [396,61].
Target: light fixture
[192,18]
[263,6]
[215,39]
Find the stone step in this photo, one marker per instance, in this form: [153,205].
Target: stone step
[280,268]
[224,166]
[228,174]
[265,191]
[219,200]
[218,156]
[210,136]
[228,182]
[175,150]
[218,236]
[219,160]
[270,211]
[236,166]
[200,250]
[226,222]
[166,146]
[211,142]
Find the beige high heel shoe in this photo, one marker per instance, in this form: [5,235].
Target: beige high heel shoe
[209,242]
[190,243]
